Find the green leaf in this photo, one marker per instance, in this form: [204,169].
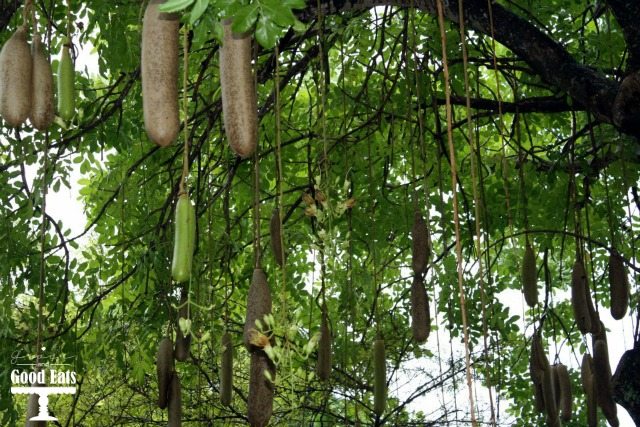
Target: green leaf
[282,16]
[175,5]
[294,4]
[198,9]
[245,18]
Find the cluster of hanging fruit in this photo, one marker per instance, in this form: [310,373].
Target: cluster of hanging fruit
[26,82]
[552,388]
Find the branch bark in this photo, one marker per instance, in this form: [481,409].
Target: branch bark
[627,13]
[589,89]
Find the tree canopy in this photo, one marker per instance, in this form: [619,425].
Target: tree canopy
[516,125]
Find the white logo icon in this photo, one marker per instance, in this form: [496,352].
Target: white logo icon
[43,401]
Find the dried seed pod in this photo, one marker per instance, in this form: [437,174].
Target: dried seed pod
[618,286]
[529,277]
[548,393]
[579,293]
[602,381]
[421,245]
[324,347]
[175,401]
[42,104]
[15,78]
[380,377]
[159,73]
[258,305]
[420,316]
[275,231]
[226,370]
[566,397]
[261,387]
[164,369]
[239,101]
[183,344]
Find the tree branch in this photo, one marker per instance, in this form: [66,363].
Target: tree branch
[627,13]
[589,89]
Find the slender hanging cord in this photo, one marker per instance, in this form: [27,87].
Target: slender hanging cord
[456,216]
[477,205]
[185,110]
[43,239]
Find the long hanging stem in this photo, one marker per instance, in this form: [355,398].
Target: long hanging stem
[477,204]
[185,111]
[43,239]
[456,216]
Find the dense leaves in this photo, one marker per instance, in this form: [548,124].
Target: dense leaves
[363,135]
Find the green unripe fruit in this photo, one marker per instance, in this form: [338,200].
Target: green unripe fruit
[184,239]
[66,91]
[380,377]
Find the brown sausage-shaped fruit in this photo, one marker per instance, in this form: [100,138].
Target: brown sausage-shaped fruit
[164,368]
[420,244]
[529,277]
[258,304]
[324,347]
[618,286]
[15,79]
[420,316]
[175,401]
[239,101]
[579,293]
[275,232]
[226,370]
[586,374]
[42,105]
[260,399]
[602,381]
[159,73]
[566,397]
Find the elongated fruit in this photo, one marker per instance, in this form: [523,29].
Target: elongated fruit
[529,277]
[602,381]
[579,293]
[226,370]
[566,396]
[15,79]
[586,374]
[164,369]
[258,304]
[239,104]
[66,91]
[420,316]
[421,246]
[185,236]
[261,385]
[324,347]
[159,73]
[380,377]
[618,286]
[175,401]
[183,343]
[548,393]
[42,104]
[275,232]
[536,373]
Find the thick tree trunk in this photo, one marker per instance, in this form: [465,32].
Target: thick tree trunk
[626,383]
